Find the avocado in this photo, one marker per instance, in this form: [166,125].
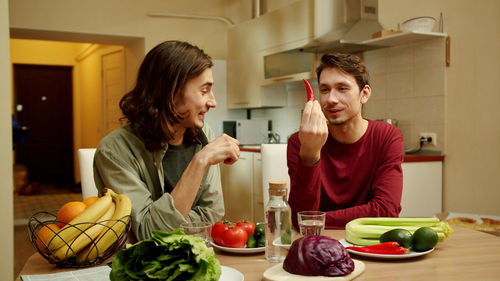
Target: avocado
[400,235]
[424,239]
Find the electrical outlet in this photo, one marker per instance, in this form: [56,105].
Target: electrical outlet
[431,135]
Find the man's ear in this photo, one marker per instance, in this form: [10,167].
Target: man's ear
[365,94]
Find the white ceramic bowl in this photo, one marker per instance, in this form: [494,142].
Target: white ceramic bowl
[420,24]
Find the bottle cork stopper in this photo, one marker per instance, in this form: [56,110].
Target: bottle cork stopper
[277,188]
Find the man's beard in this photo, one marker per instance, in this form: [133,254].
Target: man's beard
[335,122]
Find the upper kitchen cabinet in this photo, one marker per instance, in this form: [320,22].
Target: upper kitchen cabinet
[287,28]
[252,43]
[244,70]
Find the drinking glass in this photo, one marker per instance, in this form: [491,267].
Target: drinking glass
[311,222]
[200,229]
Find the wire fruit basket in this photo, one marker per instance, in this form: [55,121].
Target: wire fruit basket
[41,219]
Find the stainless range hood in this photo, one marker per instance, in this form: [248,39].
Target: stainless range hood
[341,24]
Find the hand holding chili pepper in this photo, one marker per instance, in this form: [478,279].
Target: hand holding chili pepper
[313,133]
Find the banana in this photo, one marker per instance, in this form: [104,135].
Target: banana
[109,235]
[81,241]
[81,222]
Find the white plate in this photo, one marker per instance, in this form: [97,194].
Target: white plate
[230,274]
[412,254]
[238,250]
[277,242]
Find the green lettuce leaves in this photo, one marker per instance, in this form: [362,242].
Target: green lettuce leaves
[167,256]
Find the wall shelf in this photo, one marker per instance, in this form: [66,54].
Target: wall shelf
[376,43]
[402,38]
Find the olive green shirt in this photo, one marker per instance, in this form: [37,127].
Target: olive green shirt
[123,163]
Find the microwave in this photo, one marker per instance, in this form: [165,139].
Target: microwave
[248,131]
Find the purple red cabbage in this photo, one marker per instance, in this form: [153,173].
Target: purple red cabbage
[318,255]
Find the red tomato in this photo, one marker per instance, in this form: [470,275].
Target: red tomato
[234,237]
[218,229]
[247,225]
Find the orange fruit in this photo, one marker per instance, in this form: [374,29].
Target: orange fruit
[89,200]
[45,233]
[69,211]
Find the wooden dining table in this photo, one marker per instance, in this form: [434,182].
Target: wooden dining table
[466,255]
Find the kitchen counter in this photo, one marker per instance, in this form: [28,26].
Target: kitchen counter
[423,156]
[465,255]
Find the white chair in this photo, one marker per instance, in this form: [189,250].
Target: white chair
[274,167]
[86,160]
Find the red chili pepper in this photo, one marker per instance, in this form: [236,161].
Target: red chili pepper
[387,248]
[382,246]
[310,95]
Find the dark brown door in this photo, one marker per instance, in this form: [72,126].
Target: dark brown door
[44,104]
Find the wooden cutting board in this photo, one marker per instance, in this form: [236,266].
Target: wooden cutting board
[277,273]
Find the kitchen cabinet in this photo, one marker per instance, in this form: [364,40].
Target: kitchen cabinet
[258,201]
[242,188]
[287,28]
[245,68]
[422,189]
[250,42]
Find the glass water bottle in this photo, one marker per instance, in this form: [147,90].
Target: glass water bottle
[278,222]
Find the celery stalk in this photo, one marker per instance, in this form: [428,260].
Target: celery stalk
[367,231]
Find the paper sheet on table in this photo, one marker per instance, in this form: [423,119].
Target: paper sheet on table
[477,217]
[479,222]
[99,273]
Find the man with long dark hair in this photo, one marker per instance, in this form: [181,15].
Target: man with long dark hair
[166,158]
[339,162]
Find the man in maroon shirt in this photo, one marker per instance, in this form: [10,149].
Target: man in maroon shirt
[348,166]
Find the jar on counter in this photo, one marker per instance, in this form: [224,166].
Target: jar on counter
[278,218]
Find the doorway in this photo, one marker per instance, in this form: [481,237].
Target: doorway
[43,99]
[113,89]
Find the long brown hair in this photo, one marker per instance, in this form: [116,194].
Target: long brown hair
[348,63]
[162,75]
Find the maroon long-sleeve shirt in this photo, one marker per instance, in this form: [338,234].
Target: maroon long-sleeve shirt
[363,179]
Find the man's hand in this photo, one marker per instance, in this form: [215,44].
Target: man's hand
[313,133]
[223,148]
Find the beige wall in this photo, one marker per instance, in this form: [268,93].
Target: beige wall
[472,97]
[129,18]
[7,188]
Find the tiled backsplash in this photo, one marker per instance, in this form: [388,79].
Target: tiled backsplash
[408,84]
[286,120]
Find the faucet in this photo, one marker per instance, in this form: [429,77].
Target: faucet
[274,137]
